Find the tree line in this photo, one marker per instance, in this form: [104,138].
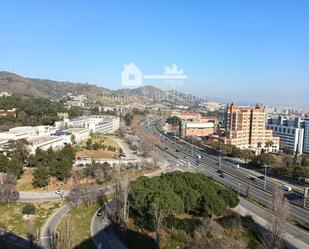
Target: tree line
[57,163]
[152,200]
[31,111]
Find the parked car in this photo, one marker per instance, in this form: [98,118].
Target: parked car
[186,157]
[101,211]
[59,192]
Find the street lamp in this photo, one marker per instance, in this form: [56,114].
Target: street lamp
[265,175]
[220,159]
[239,188]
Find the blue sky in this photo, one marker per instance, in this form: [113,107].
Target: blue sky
[241,51]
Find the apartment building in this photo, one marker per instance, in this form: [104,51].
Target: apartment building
[290,132]
[246,129]
[196,129]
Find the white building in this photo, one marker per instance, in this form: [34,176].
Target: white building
[290,133]
[44,137]
[44,143]
[80,133]
[26,132]
[101,124]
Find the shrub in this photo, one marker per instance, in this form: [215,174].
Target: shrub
[28,209]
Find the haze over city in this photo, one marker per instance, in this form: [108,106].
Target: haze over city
[252,51]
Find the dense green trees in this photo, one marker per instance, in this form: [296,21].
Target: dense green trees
[29,208]
[263,159]
[227,149]
[128,119]
[57,163]
[175,120]
[41,177]
[175,193]
[155,202]
[33,111]
[12,166]
[18,150]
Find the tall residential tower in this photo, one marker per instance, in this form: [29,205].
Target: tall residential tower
[246,129]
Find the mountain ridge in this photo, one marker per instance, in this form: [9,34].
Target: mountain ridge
[37,87]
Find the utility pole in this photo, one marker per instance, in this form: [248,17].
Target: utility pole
[306,193]
[220,159]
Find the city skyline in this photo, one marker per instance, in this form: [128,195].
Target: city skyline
[249,52]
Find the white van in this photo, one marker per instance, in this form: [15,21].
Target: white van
[287,188]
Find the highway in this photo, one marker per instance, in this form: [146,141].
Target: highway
[235,178]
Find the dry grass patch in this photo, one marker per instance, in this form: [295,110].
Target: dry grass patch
[11,217]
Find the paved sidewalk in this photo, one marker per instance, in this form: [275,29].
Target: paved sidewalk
[40,196]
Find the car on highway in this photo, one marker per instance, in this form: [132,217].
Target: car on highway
[261,177]
[287,188]
[166,148]
[222,174]
[252,178]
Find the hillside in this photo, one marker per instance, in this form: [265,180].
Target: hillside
[24,86]
[44,88]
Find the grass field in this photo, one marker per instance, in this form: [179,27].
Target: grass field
[80,218]
[100,139]
[11,217]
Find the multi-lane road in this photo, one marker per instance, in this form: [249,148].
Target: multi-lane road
[234,177]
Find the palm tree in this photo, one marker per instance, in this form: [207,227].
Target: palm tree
[269,143]
[259,145]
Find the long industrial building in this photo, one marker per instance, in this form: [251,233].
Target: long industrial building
[57,136]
